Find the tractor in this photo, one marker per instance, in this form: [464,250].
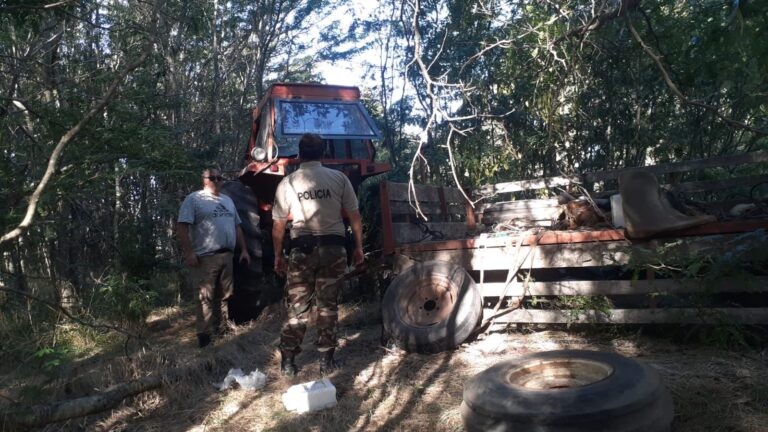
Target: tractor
[287,111]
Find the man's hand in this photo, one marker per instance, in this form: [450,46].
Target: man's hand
[358,256]
[280,265]
[191,260]
[245,257]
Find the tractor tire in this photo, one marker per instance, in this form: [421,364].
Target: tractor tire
[431,307]
[567,391]
[248,298]
[247,205]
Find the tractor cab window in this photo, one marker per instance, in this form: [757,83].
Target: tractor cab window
[332,120]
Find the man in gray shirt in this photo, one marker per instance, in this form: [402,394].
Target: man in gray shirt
[208,229]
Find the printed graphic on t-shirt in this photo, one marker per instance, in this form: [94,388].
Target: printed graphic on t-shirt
[221,211]
[314,194]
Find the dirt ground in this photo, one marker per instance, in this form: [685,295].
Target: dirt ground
[386,389]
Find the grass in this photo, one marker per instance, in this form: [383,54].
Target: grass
[385,389]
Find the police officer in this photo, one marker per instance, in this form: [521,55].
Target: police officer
[314,196]
[207,230]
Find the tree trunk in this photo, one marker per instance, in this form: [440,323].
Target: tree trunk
[216,79]
[40,415]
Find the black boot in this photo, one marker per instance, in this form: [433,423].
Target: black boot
[327,363]
[203,340]
[287,365]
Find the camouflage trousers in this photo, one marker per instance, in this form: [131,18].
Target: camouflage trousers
[311,280]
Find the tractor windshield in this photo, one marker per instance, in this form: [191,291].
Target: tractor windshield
[329,119]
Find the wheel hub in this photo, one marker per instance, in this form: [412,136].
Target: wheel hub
[558,374]
[429,301]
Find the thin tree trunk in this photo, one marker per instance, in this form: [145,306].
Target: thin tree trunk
[215,93]
[40,415]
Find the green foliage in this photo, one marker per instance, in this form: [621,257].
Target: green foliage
[731,335]
[591,306]
[737,260]
[740,257]
[537,103]
[126,299]
[52,358]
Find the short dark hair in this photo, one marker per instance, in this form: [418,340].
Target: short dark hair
[207,171]
[311,147]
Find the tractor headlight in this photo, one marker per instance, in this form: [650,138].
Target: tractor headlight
[258,154]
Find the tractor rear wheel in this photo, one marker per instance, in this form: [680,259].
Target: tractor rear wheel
[247,300]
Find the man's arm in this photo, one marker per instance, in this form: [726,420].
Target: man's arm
[356,223]
[182,235]
[244,255]
[278,232]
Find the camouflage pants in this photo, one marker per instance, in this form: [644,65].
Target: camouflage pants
[311,280]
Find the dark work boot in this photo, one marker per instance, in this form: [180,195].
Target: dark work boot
[287,365]
[328,364]
[203,340]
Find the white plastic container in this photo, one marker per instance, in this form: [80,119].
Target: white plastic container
[617,212]
[310,396]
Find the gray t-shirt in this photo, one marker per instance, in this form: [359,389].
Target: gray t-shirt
[213,220]
[314,196]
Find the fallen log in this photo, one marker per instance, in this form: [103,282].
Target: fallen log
[40,415]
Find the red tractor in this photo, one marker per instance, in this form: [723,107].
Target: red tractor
[285,113]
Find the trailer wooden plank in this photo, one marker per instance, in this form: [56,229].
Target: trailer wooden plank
[705,185]
[523,185]
[731,160]
[532,214]
[424,193]
[634,316]
[519,204]
[624,287]
[387,232]
[544,256]
[583,236]
[596,254]
[715,185]
[410,232]
[503,239]
[428,208]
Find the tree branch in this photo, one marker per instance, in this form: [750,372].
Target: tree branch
[53,161]
[598,21]
[676,90]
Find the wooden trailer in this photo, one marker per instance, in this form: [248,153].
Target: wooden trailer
[528,272]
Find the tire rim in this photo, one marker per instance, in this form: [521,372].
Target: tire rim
[558,374]
[428,301]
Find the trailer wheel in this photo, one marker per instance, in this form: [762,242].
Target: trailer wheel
[431,307]
[567,390]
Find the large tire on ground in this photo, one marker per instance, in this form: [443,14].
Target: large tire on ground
[567,391]
[431,307]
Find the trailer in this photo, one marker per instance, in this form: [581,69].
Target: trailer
[464,263]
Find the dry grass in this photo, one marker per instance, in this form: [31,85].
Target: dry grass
[386,389]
